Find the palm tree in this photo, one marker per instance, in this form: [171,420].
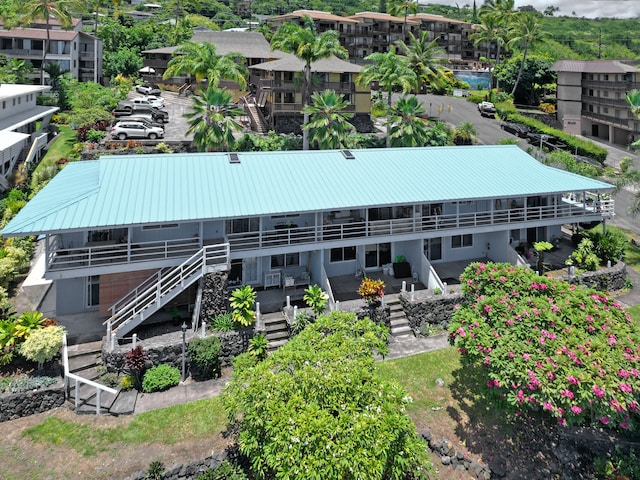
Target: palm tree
[464,133]
[402,7]
[308,46]
[496,21]
[45,10]
[408,127]
[633,99]
[425,58]
[202,61]
[391,72]
[328,122]
[527,33]
[212,119]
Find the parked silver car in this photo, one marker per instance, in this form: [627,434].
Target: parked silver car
[130,129]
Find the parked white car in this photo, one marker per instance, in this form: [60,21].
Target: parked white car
[149,102]
[155,99]
[132,129]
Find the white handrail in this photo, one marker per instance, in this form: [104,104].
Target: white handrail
[78,379]
[326,286]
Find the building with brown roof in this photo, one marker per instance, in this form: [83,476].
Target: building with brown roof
[77,52]
[591,99]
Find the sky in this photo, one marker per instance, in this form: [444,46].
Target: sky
[582,8]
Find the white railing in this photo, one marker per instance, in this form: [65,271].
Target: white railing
[117,253]
[196,308]
[514,258]
[144,285]
[326,286]
[433,281]
[78,379]
[167,286]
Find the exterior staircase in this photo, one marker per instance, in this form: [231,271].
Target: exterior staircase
[398,320]
[158,290]
[276,330]
[257,120]
[84,360]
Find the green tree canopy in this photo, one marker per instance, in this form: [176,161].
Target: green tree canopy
[425,57]
[212,119]
[315,407]
[328,122]
[408,127]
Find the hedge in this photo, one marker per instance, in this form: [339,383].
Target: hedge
[577,145]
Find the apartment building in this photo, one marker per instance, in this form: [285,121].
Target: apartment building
[20,140]
[125,235]
[591,99]
[77,52]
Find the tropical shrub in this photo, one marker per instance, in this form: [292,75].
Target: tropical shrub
[26,383]
[242,302]
[609,245]
[543,344]
[223,323]
[300,322]
[29,321]
[371,290]
[226,471]
[127,382]
[584,257]
[160,377]
[315,408]
[204,357]
[42,345]
[258,346]
[316,299]
[135,361]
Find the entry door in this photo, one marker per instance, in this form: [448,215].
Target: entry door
[250,270]
[377,255]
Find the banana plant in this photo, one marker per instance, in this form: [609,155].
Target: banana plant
[316,298]
[242,302]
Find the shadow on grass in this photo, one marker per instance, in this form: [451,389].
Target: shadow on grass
[518,446]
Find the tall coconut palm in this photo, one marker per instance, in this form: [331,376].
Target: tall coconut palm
[391,72]
[408,127]
[527,32]
[328,122]
[45,10]
[425,58]
[402,7]
[212,119]
[202,61]
[309,46]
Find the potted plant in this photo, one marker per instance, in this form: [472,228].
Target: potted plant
[371,291]
[401,268]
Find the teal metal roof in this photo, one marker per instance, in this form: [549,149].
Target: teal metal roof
[142,189]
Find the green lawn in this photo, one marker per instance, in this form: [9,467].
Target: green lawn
[199,419]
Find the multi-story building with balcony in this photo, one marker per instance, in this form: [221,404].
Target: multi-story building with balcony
[278,92]
[591,99]
[20,138]
[126,235]
[77,52]
[375,32]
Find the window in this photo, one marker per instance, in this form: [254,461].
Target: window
[160,226]
[93,291]
[343,254]
[460,241]
[243,225]
[285,261]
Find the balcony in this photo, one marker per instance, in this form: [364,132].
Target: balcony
[609,119]
[111,257]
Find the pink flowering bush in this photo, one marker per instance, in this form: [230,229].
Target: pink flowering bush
[545,344]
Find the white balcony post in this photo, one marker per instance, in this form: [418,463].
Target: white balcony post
[337,305]
[113,342]
[109,330]
[413,292]
[259,326]
[203,329]
[134,340]
[404,286]
[444,288]
[98,394]
[288,301]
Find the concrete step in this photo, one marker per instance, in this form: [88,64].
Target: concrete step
[82,348]
[275,327]
[88,400]
[125,404]
[277,344]
[83,362]
[400,331]
[399,322]
[277,335]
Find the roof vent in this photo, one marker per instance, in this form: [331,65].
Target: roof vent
[347,154]
[233,158]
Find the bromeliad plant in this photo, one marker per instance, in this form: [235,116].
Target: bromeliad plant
[371,290]
[543,343]
[242,301]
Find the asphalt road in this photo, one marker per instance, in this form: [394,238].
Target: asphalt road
[454,110]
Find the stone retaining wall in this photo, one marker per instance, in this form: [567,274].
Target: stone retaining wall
[428,310]
[186,471]
[17,405]
[167,349]
[607,280]
[214,296]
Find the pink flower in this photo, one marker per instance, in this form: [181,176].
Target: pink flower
[567,393]
[612,339]
[599,392]
[487,308]
[626,388]
[576,409]
[605,420]
[572,380]
[622,373]
[624,425]
[562,422]
[547,406]
[460,331]
[526,356]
